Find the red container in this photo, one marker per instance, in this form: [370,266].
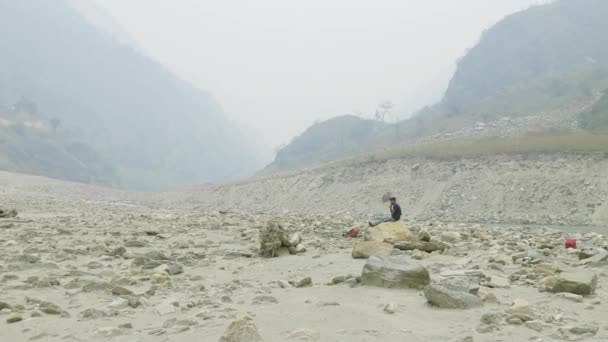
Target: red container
[571,244]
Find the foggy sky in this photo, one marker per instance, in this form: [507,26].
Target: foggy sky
[279,65]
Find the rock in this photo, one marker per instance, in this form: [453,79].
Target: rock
[306,282]
[292,240]
[497,282]
[545,269]
[394,272]
[120,251]
[571,297]
[521,306]
[156,255]
[108,332]
[135,244]
[271,239]
[534,325]
[8,213]
[366,249]
[586,253]
[174,269]
[242,330]
[580,282]
[462,284]
[465,339]
[261,300]
[488,297]
[126,326]
[121,291]
[14,319]
[515,321]
[584,329]
[444,298]
[490,318]
[424,235]
[421,246]
[600,258]
[451,237]
[300,248]
[392,231]
[92,314]
[168,306]
[4,305]
[390,308]
[119,303]
[304,335]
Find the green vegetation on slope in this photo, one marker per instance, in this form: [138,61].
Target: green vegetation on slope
[537,42]
[596,118]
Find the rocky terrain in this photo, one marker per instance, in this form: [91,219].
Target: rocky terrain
[558,189]
[81,263]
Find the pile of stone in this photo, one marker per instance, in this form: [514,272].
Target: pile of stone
[276,241]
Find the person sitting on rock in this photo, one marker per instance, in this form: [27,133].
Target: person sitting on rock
[395,213]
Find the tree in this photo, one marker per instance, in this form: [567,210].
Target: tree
[383,110]
[55,123]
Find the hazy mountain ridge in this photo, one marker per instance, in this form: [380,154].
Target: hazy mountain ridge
[547,60]
[158,130]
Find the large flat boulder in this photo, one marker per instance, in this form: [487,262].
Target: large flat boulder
[580,283]
[392,231]
[445,298]
[394,272]
[366,249]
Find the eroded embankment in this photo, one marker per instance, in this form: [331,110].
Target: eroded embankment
[558,188]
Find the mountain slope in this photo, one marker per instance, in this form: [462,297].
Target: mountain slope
[159,131]
[533,43]
[537,70]
[326,141]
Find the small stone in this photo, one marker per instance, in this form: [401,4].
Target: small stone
[515,321]
[535,325]
[121,291]
[306,282]
[126,326]
[424,235]
[174,269]
[490,318]
[584,329]
[14,319]
[260,300]
[390,308]
[521,306]
[304,335]
[571,297]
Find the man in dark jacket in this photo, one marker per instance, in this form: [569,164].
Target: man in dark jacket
[395,213]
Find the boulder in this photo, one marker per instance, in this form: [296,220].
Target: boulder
[393,231]
[462,284]
[366,249]
[580,283]
[242,330]
[424,246]
[442,297]
[394,272]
